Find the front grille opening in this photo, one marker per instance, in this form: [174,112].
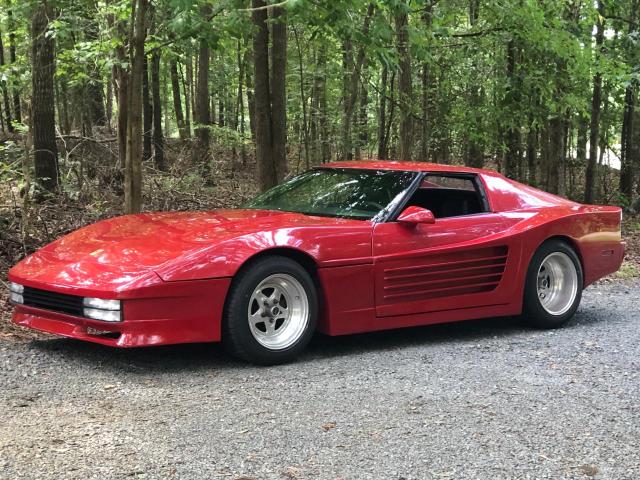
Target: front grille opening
[57,302]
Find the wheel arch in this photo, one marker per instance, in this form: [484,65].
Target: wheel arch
[569,241]
[300,256]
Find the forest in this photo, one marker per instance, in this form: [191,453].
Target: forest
[119,106]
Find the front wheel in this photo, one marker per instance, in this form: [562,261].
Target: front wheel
[553,286]
[271,311]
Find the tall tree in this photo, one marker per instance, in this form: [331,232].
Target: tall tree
[630,150]
[382,114]
[270,94]
[475,151]
[405,84]
[596,101]
[513,137]
[17,108]
[147,113]
[177,100]
[94,88]
[278,91]
[351,80]
[425,77]
[202,112]
[158,137]
[43,108]
[133,163]
[5,91]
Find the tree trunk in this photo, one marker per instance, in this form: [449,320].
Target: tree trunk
[187,101]
[202,112]
[177,101]
[17,110]
[532,154]
[363,134]
[189,91]
[596,101]
[158,138]
[581,141]
[251,102]
[147,110]
[94,89]
[303,101]
[323,128]
[240,102]
[382,113]
[122,77]
[630,150]
[221,109]
[95,97]
[346,152]
[164,96]
[556,154]
[43,105]
[109,110]
[405,89]
[133,163]
[318,96]
[475,149]
[266,170]
[627,146]
[270,95]
[5,91]
[513,137]
[351,80]
[425,131]
[278,91]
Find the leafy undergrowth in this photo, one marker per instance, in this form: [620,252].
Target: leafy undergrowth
[631,234]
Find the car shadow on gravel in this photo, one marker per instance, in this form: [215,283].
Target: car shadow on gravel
[198,357]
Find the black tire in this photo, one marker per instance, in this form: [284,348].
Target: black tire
[237,336]
[534,313]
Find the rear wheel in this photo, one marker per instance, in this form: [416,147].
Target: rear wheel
[553,286]
[271,311]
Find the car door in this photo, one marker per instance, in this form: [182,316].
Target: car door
[457,262]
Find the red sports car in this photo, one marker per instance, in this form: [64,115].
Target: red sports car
[344,248]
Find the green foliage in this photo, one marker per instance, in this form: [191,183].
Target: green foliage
[471,97]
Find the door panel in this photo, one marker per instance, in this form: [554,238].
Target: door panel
[455,263]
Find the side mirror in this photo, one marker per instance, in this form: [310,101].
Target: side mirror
[416,215]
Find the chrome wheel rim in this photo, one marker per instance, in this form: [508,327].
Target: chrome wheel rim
[278,311]
[557,283]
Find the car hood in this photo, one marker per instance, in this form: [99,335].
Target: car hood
[133,250]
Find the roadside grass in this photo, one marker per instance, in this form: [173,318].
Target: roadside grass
[627,271]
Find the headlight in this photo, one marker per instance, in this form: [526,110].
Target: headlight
[101,304]
[16,292]
[101,309]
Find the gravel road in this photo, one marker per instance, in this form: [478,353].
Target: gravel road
[475,400]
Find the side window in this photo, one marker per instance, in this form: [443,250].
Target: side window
[449,195]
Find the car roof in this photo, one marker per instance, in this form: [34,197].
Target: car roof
[504,194]
[404,166]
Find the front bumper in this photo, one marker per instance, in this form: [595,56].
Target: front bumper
[172,312]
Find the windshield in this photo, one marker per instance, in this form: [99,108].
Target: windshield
[348,193]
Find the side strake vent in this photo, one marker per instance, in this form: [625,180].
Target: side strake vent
[445,275]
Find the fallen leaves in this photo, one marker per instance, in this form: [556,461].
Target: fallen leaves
[589,470]
[328,426]
[291,472]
